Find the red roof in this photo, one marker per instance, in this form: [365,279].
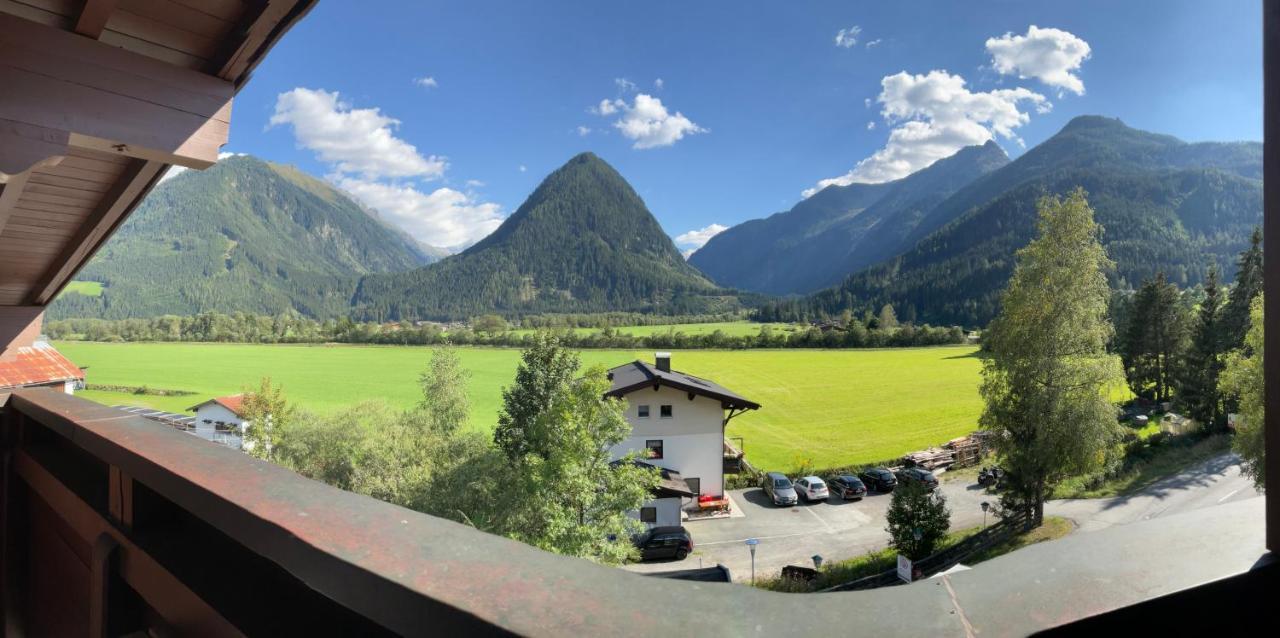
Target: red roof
[37,364]
[235,403]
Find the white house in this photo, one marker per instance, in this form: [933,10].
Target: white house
[221,419]
[677,423]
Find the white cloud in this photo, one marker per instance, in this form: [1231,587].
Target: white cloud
[846,38]
[874,42]
[444,217]
[383,171]
[426,82]
[647,123]
[624,85]
[658,84]
[866,102]
[871,126]
[696,239]
[475,183]
[352,140]
[1049,55]
[584,131]
[523,168]
[934,115]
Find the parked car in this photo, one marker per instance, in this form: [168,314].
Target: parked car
[811,488]
[879,479]
[665,542]
[779,488]
[847,486]
[918,475]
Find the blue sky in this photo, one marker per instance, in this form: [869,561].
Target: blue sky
[758,101]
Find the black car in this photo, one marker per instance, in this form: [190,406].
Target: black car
[665,542]
[918,475]
[879,479]
[847,486]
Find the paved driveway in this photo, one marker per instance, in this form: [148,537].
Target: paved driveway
[838,530]
[834,529]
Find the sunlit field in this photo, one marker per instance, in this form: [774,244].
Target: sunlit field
[832,407]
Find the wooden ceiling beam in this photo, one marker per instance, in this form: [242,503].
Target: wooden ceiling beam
[64,89]
[93,17]
[10,193]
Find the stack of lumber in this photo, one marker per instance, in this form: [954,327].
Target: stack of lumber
[930,459]
[967,450]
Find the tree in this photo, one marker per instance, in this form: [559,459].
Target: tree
[1244,377]
[444,391]
[1198,389]
[915,511]
[1045,382]
[268,415]
[1154,339]
[1247,287]
[489,324]
[888,319]
[574,498]
[546,367]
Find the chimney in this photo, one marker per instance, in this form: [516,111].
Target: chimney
[663,360]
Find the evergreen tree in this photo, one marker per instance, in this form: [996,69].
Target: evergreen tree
[1047,378]
[1154,339]
[1248,285]
[1198,390]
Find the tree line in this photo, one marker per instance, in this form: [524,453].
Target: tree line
[847,331]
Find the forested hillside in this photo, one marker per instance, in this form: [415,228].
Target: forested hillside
[582,242]
[838,230]
[1164,205]
[244,235]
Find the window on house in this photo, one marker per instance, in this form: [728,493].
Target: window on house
[643,411]
[695,485]
[665,412]
[648,515]
[655,448]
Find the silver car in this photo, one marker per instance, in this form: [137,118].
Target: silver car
[779,489]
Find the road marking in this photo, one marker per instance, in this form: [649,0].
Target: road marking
[763,538]
[1229,495]
[820,519]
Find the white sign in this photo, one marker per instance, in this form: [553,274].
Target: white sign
[904,568]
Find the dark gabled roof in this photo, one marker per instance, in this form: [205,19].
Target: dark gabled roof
[635,375]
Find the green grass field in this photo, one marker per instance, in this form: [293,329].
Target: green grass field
[833,407]
[730,328]
[86,288]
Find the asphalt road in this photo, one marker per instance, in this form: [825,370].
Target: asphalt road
[837,530]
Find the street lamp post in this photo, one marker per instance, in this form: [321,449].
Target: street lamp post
[751,545]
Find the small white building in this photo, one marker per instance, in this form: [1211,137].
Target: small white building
[221,419]
[38,365]
[677,424]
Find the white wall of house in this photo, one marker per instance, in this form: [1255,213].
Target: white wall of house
[692,437]
[69,386]
[210,414]
[667,510]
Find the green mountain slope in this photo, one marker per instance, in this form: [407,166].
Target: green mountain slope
[1164,205]
[582,242]
[244,235]
[838,230]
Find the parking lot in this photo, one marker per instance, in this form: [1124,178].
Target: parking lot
[834,529]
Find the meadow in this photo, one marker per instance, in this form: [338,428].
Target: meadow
[829,407]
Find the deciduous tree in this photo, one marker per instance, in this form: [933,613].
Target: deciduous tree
[269,415]
[1047,378]
[545,369]
[1244,377]
[913,513]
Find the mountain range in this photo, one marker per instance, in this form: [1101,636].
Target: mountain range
[1165,206]
[248,235]
[244,235]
